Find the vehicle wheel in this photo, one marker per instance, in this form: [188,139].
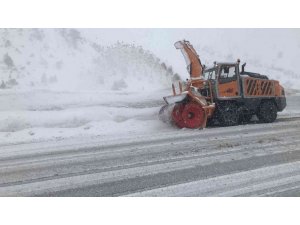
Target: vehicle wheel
[211,122]
[245,118]
[267,112]
[228,114]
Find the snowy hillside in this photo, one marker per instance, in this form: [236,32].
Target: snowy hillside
[64,59]
[131,59]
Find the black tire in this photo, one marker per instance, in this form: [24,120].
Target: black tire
[228,114]
[211,122]
[267,112]
[245,118]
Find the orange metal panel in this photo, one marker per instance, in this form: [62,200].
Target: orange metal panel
[229,89]
[258,87]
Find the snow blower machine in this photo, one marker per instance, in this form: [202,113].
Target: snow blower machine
[222,95]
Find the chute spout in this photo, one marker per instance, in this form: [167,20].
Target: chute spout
[191,57]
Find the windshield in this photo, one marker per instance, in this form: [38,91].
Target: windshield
[210,74]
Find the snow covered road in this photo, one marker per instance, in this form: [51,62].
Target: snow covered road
[251,160]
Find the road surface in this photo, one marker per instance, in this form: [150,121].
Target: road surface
[245,160]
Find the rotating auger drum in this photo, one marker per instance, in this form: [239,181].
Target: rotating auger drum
[186,110]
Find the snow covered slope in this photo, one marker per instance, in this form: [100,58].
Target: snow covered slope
[131,58]
[64,59]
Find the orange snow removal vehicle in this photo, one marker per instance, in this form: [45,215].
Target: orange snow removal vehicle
[221,95]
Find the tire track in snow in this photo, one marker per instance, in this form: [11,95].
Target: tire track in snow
[248,183]
[140,156]
[114,169]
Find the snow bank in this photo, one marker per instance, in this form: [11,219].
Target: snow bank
[72,114]
[41,115]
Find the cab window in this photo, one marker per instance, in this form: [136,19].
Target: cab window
[210,74]
[227,74]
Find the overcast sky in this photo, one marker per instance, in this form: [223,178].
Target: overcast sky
[262,44]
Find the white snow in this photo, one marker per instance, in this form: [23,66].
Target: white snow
[37,115]
[70,83]
[232,184]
